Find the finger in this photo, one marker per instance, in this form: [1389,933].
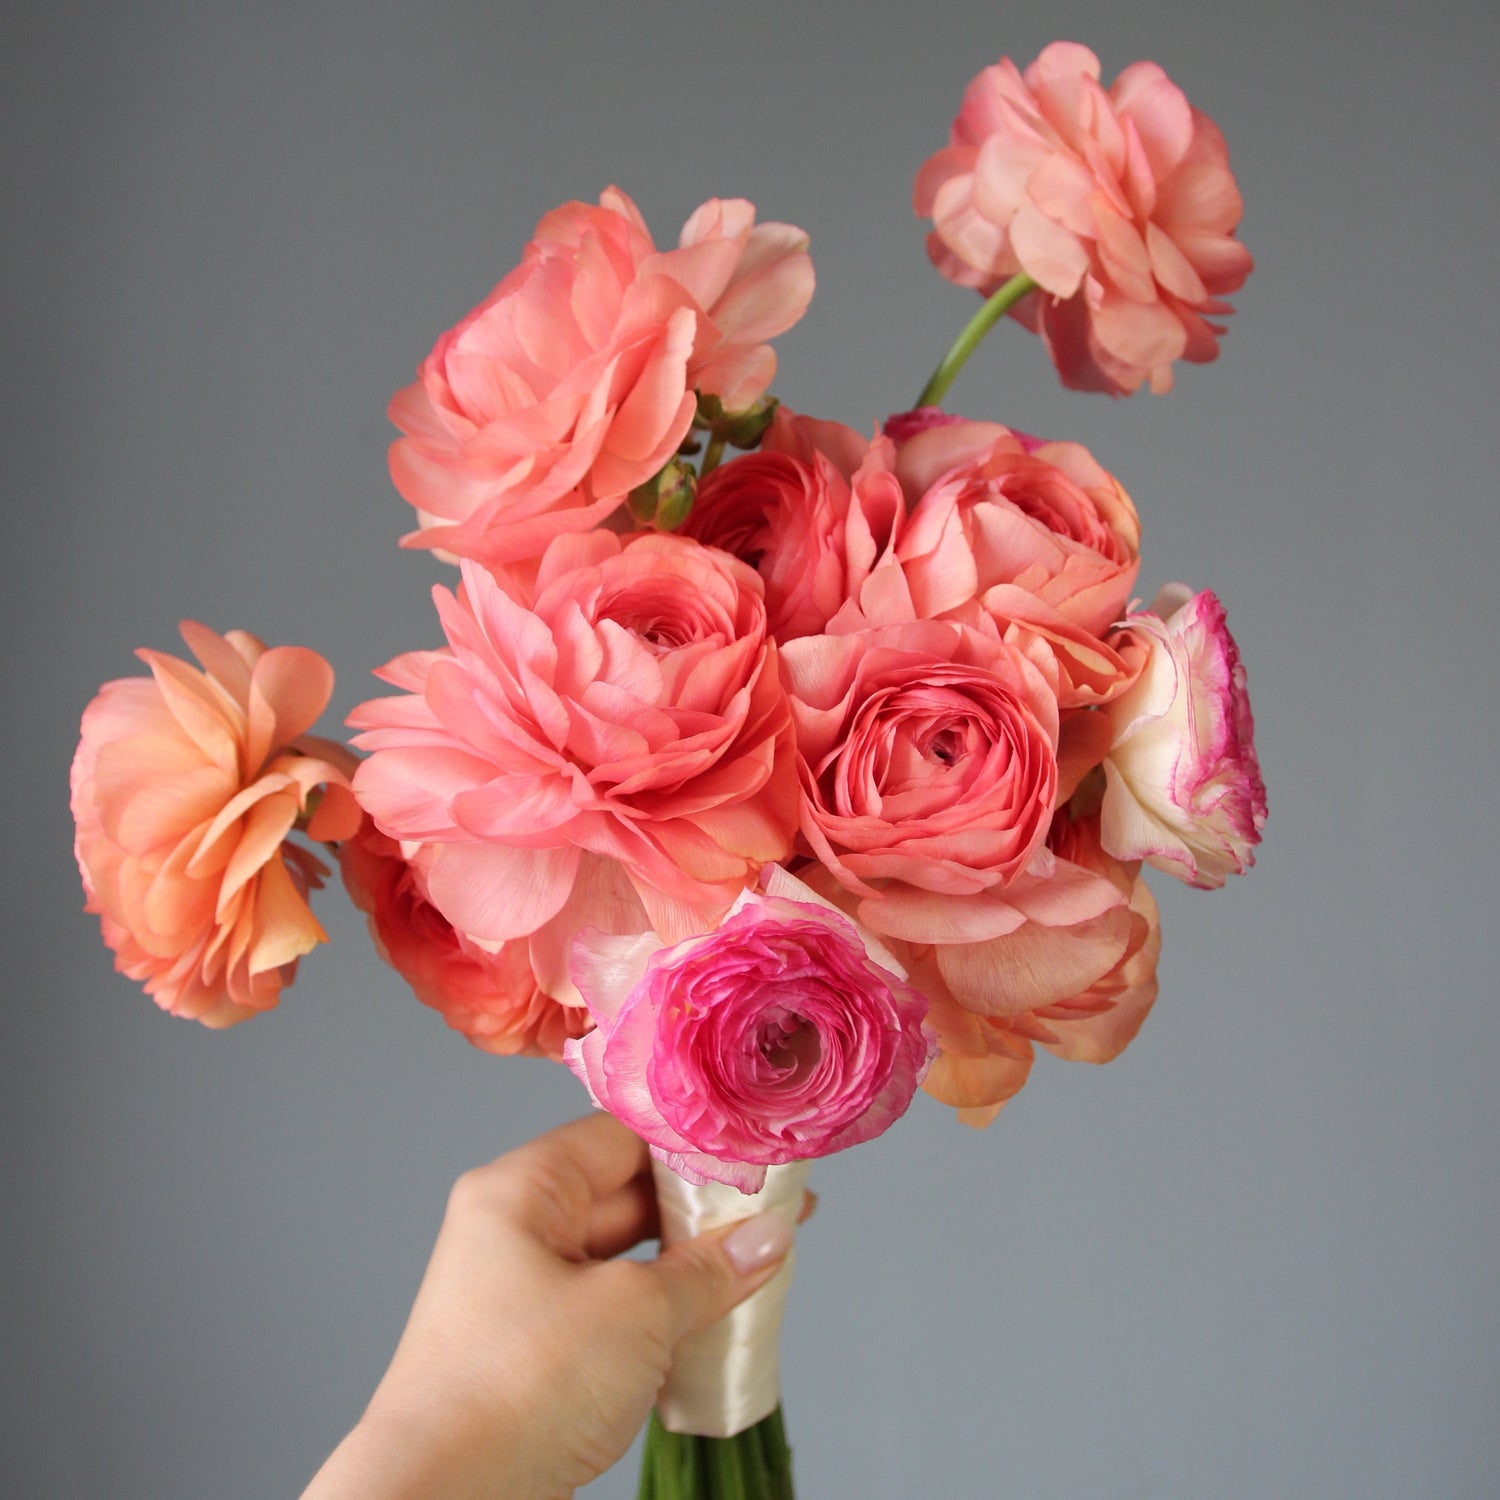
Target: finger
[621,1219]
[597,1151]
[809,1205]
[702,1279]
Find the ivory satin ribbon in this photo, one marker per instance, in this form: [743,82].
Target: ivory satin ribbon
[728,1377]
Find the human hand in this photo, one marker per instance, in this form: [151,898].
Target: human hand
[531,1357]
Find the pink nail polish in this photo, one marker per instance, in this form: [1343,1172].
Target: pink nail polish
[757,1242]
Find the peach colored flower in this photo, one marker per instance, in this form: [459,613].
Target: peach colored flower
[1099,1022]
[1051,522]
[813,534]
[982,1062]
[782,1034]
[574,380]
[185,787]
[630,710]
[491,997]
[1120,204]
[1064,959]
[927,753]
[1183,783]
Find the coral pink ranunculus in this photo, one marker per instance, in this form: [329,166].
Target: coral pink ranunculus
[1120,204]
[491,997]
[1183,783]
[185,787]
[813,534]
[630,710]
[776,1037]
[1051,522]
[927,752]
[902,426]
[574,380]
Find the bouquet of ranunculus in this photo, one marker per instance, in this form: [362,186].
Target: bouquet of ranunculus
[768,770]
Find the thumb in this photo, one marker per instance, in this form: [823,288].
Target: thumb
[702,1279]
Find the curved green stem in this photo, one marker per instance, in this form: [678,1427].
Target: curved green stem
[974,330]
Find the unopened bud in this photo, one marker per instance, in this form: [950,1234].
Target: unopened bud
[740,429]
[666,498]
[744,429]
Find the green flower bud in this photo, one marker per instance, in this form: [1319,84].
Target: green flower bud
[666,498]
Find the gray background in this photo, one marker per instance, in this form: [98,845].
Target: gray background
[1254,1257]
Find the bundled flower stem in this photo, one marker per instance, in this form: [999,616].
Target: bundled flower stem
[755,1464]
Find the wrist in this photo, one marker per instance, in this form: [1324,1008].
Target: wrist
[409,1446]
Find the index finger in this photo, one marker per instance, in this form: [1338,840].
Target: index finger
[597,1149]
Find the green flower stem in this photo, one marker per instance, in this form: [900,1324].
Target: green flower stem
[754,1465]
[712,455]
[968,341]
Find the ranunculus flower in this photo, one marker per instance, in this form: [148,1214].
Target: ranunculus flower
[927,752]
[185,787]
[812,532]
[1183,784]
[574,380]
[1097,1023]
[778,1036]
[983,1061]
[1120,204]
[902,426]
[1050,521]
[630,710]
[491,997]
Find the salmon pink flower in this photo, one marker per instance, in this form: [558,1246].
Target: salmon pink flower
[1119,204]
[902,426]
[927,752]
[812,532]
[1051,522]
[490,996]
[1183,784]
[629,710]
[574,380]
[781,1035]
[185,787]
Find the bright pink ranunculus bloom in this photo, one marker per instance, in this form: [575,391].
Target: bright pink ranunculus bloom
[1119,203]
[491,996]
[927,752]
[630,710]
[185,787]
[574,380]
[811,530]
[1183,784]
[780,1035]
[1051,522]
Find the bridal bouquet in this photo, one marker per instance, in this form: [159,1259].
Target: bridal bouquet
[768,769]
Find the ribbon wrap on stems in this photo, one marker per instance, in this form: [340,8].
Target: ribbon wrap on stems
[728,1377]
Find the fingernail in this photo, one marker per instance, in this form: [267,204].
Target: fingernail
[757,1242]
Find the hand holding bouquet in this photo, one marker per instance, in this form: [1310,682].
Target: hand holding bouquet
[767,769]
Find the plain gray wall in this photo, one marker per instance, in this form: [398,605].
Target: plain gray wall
[1255,1257]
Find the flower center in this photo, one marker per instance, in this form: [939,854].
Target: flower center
[789,1044]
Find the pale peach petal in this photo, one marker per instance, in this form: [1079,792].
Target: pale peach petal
[493,892]
[1035,965]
